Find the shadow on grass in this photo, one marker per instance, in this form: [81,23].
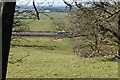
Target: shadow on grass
[37,47]
[99,59]
[111,59]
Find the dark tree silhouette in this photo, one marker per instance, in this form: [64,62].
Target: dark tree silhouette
[7,23]
[119,33]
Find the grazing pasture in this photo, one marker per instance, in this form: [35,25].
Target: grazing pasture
[53,57]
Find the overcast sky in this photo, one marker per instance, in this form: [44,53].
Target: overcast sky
[38,2]
[56,2]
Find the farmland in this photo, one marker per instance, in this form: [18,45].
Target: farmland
[55,58]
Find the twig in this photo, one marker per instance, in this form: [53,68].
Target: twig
[18,60]
[92,53]
[36,10]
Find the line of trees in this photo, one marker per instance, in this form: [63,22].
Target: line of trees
[95,29]
[100,23]
[97,23]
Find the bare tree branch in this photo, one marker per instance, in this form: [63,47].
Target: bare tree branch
[27,3]
[111,31]
[68,4]
[52,3]
[36,10]
[43,2]
[113,14]
[102,7]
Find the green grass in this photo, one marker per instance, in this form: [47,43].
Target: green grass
[54,15]
[45,23]
[58,63]
[41,25]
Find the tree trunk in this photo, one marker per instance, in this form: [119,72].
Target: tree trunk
[119,34]
[7,23]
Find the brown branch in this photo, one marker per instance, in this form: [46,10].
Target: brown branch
[36,10]
[78,5]
[43,2]
[111,31]
[27,3]
[68,4]
[93,53]
[18,60]
[113,14]
[52,3]
[102,7]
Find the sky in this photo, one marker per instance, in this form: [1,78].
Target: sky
[56,2]
[47,2]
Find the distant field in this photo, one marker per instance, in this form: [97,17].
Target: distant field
[45,24]
[54,15]
[55,58]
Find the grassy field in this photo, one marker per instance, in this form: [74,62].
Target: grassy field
[54,59]
[45,24]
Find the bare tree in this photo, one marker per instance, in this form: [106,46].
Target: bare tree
[100,21]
